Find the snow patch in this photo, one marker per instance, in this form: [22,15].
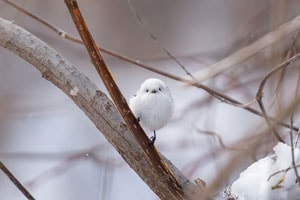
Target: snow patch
[272,177]
[74,91]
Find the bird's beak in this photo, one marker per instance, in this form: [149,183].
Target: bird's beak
[153,91]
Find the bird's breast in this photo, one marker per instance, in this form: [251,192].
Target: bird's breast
[156,111]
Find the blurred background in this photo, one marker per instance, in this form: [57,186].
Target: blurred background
[57,153]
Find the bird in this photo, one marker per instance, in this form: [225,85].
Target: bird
[152,105]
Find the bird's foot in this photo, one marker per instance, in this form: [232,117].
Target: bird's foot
[138,120]
[152,140]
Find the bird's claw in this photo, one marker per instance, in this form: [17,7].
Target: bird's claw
[152,140]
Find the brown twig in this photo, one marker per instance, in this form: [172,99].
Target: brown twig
[214,135]
[259,93]
[248,51]
[154,37]
[261,105]
[72,38]
[297,139]
[281,171]
[174,188]
[293,152]
[291,131]
[57,170]
[290,53]
[15,181]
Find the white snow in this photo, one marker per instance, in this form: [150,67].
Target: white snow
[74,91]
[255,182]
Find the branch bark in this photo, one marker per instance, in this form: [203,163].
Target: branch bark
[96,105]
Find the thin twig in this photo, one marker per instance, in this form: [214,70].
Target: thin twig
[259,93]
[15,181]
[275,69]
[154,37]
[72,38]
[297,139]
[293,152]
[281,171]
[248,51]
[214,135]
[291,52]
[275,132]
[291,131]
[57,170]
[45,23]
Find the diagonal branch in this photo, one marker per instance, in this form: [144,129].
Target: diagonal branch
[155,38]
[293,152]
[15,181]
[248,51]
[259,93]
[95,104]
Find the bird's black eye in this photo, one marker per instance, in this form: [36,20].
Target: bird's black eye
[147,90]
[159,89]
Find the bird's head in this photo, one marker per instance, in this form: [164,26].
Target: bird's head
[153,86]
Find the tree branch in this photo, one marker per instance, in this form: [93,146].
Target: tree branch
[95,104]
[259,94]
[155,39]
[15,181]
[248,51]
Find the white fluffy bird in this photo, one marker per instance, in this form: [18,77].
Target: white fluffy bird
[152,105]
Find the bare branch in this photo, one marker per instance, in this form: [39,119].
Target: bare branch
[290,53]
[248,51]
[75,39]
[15,181]
[95,104]
[154,37]
[259,93]
[297,139]
[57,170]
[214,135]
[282,171]
[293,151]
